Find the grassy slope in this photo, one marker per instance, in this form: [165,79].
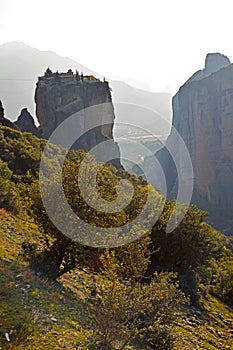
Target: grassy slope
[211,329]
[39,314]
[36,314]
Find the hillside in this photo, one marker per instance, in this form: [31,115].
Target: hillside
[38,314]
[160,292]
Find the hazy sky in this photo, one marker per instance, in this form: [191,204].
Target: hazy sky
[151,44]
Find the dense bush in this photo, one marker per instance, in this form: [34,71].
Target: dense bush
[194,250]
[7,189]
[128,310]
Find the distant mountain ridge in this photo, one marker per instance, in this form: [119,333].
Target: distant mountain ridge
[20,66]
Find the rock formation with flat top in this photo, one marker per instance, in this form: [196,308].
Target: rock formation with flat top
[60,95]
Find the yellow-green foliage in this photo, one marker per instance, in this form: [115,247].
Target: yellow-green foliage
[21,151]
[5,175]
[122,298]
[128,310]
[65,251]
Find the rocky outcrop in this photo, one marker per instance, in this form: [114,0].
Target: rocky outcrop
[213,63]
[4,121]
[58,96]
[203,116]
[26,122]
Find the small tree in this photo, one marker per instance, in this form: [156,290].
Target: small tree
[48,73]
[128,310]
[6,187]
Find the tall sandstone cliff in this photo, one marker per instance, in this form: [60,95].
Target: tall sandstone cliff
[203,116]
[58,96]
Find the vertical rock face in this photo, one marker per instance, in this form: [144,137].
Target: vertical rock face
[58,96]
[203,116]
[1,110]
[4,121]
[26,122]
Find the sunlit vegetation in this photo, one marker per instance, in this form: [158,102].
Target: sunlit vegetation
[162,291]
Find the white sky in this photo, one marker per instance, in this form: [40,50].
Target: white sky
[151,44]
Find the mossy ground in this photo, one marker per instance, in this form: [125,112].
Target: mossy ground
[40,314]
[211,328]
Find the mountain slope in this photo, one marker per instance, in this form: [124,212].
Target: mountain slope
[38,312]
[148,110]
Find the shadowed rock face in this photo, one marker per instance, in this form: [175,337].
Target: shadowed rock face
[59,96]
[4,121]
[26,122]
[203,116]
[1,110]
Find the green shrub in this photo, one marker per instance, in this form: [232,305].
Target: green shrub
[128,310]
